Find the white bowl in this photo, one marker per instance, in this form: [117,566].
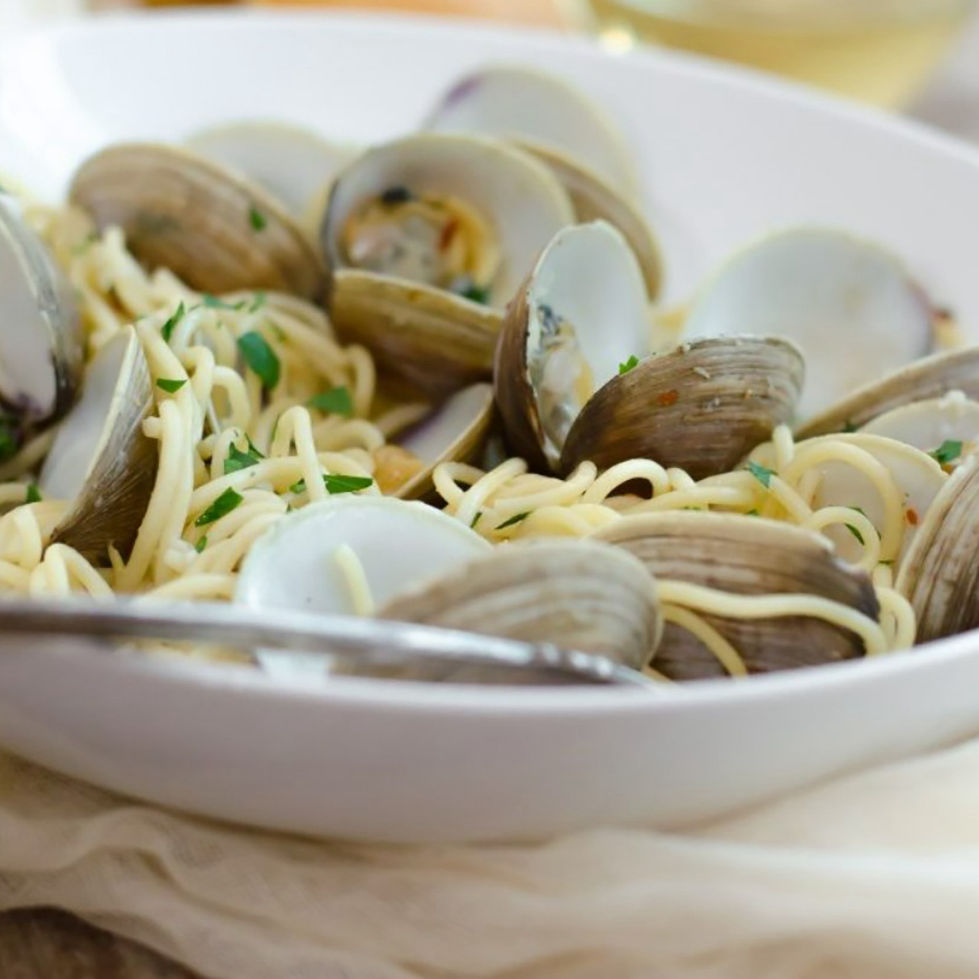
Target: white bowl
[724,156]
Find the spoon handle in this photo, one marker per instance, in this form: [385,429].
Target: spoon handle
[366,642]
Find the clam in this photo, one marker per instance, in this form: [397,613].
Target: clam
[100,459]
[947,428]
[917,476]
[40,339]
[539,110]
[295,165]
[851,307]
[929,378]
[570,387]
[753,557]
[940,574]
[579,595]
[428,237]
[215,230]
[456,432]
[567,132]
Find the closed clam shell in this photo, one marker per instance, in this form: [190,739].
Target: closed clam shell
[182,212]
[931,377]
[578,595]
[100,458]
[701,407]
[746,556]
[940,573]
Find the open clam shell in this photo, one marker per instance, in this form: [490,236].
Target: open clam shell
[216,231]
[577,595]
[746,556]
[295,165]
[931,377]
[851,307]
[100,458]
[540,110]
[40,338]
[940,573]
[579,314]
[428,237]
[456,432]
[701,408]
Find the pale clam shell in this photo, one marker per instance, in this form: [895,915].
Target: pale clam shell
[746,556]
[578,595]
[100,459]
[940,573]
[928,424]
[185,213]
[701,407]
[930,377]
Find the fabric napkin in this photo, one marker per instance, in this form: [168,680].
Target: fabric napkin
[874,875]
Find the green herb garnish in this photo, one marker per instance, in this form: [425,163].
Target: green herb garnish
[476,519]
[396,195]
[222,506]
[9,438]
[761,473]
[627,365]
[752,513]
[337,483]
[478,294]
[947,452]
[849,427]
[513,520]
[256,219]
[260,357]
[212,302]
[257,303]
[167,329]
[33,493]
[336,401]
[299,486]
[856,533]
[201,543]
[238,460]
[170,385]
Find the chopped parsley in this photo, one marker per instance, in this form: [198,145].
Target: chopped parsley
[9,440]
[213,302]
[33,493]
[947,452]
[260,357]
[336,483]
[761,473]
[476,519]
[752,513]
[257,303]
[222,506]
[856,533]
[238,460]
[256,219]
[336,401]
[513,520]
[167,330]
[478,294]
[627,365]
[201,543]
[170,385]
[849,427]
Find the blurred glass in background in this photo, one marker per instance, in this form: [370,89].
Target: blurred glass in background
[881,51]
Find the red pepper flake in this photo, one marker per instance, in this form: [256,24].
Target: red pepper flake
[668,398]
[911,515]
[449,230]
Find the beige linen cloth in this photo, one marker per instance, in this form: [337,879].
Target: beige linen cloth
[875,875]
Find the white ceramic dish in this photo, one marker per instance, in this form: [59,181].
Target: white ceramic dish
[723,156]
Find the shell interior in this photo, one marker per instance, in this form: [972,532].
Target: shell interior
[40,349]
[927,425]
[293,164]
[850,306]
[515,197]
[586,314]
[521,103]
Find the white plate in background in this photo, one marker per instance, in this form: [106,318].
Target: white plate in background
[724,155]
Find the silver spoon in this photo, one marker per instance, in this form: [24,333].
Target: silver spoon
[363,643]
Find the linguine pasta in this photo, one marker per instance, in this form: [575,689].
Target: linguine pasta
[212,409]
